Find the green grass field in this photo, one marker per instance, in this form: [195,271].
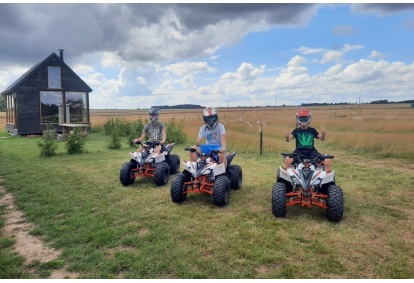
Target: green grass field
[105,230]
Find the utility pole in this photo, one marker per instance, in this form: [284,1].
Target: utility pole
[359,102]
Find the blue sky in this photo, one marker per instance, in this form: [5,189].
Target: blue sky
[139,55]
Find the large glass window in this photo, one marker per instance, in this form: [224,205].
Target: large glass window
[77,108]
[51,110]
[10,109]
[54,77]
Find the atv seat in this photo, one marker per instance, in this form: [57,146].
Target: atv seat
[230,157]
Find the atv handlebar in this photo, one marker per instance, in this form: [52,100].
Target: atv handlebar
[153,144]
[214,151]
[300,157]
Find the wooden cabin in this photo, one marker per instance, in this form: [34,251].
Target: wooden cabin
[49,93]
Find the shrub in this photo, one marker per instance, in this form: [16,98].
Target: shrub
[122,126]
[75,142]
[48,144]
[175,132]
[134,131]
[119,127]
[114,139]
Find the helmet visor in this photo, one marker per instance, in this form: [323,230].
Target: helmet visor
[211,120]
[153,117]
[304,119]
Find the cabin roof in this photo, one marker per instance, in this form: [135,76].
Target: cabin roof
[14,86]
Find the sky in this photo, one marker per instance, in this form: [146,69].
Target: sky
[222,55]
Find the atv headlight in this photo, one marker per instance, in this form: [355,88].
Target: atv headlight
[317,182]
[295,181]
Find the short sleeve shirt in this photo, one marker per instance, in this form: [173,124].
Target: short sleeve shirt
[154,131]
[212,136]
[305,138]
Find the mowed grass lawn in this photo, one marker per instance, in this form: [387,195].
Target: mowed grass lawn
[106,230]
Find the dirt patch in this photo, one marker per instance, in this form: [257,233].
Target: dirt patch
[32,248]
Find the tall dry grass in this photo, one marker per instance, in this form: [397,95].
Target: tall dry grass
[385,130]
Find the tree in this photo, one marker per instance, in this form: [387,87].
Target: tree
[3,105]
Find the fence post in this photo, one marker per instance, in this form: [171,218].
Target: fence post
[261,138]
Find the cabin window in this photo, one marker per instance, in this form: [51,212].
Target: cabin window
[76,106]
[51,110]
[54,77]
[10,108]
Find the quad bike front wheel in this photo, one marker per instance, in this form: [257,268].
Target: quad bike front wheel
[161,174]
[125,175]
[177,188]
[335,204]
[235,174]
[221,191]
[174,162]
[279,200]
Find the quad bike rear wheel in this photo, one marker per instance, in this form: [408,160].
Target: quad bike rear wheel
[126,173]
[161,174]
[221,191]
[279,200]
[177,188]
[335,204]
[174,162]
[235,174]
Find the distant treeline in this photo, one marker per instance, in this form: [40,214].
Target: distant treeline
[346,103]
[180,106]
[196,106]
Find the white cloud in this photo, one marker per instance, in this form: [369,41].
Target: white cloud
[110,59]
[307,50]
[334,70]
[297,61]
[332,56]
[247,72]
[82,69]
[189,68]
[364,71]
[10,73]
[375,54]
[141,80]
[349,47]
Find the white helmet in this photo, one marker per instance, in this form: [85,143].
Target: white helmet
[210,117]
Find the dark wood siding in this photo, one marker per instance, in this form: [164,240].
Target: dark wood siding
[28,113]
[28,89]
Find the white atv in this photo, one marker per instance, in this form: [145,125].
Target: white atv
[206,175]
[150,163]
[306,183]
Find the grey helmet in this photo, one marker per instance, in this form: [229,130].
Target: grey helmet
[154,114]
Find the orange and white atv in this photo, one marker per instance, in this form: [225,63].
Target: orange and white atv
[206,175]
[150,163]
[306,184]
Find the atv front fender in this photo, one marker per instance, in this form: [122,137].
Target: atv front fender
[329,178]
[169,147]
[284,175]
